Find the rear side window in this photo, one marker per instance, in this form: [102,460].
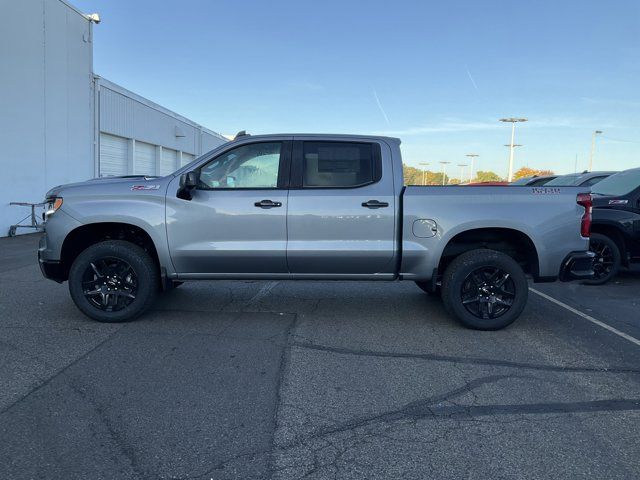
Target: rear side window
[339,164]
[592,181]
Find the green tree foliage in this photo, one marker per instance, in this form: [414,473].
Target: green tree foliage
[530,172]
[486,176]
[416,176]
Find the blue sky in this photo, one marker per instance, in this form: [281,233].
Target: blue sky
[437,74]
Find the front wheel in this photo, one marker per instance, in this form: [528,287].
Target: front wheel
[113,281]
[484,289]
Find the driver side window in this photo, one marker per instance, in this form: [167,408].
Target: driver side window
[248,166]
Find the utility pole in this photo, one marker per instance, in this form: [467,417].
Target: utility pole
[513,122]
[462,165]
[515,145]
[472,156]
[444,170]
[593,147]
[424,172]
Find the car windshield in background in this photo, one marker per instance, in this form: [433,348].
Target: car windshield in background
[618,184]
[522,181]
[564,180]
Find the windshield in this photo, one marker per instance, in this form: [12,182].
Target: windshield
[618,184]
[564,181]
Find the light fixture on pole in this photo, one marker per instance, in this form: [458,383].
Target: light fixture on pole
[462,165]
[472,156]
[513,122]
[444,170]
[593,147]
[424,171]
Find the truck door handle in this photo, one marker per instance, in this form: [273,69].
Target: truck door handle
[267,204]
[374,204]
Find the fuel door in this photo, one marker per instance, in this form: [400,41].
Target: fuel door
[424,228]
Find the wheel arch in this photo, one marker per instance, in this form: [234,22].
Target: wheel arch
[513,242]
[615,234]
[82,237]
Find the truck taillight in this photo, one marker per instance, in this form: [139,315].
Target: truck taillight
[584,199]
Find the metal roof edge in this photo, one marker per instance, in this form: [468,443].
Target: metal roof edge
[149,103]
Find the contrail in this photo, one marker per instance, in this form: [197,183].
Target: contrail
[375,94]
[471,78]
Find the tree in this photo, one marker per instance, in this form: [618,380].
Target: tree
[486,176]
[530,172]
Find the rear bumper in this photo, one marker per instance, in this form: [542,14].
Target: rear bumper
[577,266]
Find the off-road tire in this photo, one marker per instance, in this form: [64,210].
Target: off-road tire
[599,244]
[458,273]
[145,269]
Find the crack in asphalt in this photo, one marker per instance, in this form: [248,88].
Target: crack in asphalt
[462,360]
[60,372]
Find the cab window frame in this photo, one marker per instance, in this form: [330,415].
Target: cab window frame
[297,165]
[284,167]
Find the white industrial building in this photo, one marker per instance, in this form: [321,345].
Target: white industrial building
[61,123]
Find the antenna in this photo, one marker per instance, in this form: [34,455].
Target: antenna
[241,133]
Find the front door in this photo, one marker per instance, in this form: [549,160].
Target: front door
[342,209]
[236,220]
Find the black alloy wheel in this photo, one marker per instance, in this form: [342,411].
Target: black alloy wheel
[484,289]
[110,284]
[488,292]
[607,261]
[114,281]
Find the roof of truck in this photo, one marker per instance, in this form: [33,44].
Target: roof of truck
[319,135]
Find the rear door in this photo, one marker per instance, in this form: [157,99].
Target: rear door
[342,208]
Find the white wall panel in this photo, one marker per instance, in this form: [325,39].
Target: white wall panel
[46,102]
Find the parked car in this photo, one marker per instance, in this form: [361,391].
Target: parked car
[324,207]
[584,179]
[616,224]
[486,184]
[534,181]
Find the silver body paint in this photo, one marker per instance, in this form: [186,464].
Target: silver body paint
[317,233]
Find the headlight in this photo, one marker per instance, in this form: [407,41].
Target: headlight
[53,204]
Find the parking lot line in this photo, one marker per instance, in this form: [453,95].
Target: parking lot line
[587,317]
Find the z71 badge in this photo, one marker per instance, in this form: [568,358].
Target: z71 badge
[144,187]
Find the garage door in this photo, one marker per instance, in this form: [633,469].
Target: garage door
[113,155]
[145,159]
[186,158]
[168,164]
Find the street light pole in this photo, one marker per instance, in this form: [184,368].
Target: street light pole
[444,170]
[513,122]
[424,172]
[472,156]
[462,165]
[593,147]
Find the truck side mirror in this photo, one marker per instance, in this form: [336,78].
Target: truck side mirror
[188,181]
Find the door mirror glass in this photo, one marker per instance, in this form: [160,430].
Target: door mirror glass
[188,182]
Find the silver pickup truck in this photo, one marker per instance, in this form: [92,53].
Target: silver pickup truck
[322,207]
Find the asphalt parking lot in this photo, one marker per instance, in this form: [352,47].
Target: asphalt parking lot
[315,380]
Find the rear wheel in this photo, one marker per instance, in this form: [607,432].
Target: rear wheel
[607,262]
[113,281]
[484,289]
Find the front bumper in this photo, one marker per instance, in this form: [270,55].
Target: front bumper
[51,269]
[577,266]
